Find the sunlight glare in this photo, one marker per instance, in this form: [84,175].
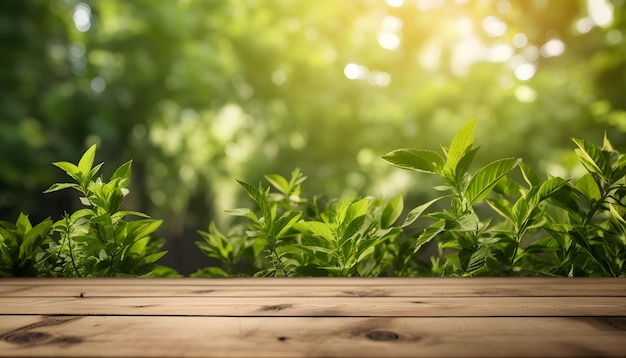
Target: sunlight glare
[553,48]
[429,57]
[494,27]
[380,79]
[395,3]
[500,53]
[584,25]
[388,40]
[525,94]
[525,71]
[601,12]
[82,17]
[352,71]
[520,40]
[504,7]
[98,84]
[391,23]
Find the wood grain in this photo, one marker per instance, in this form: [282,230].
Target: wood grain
[313,317]
[316,287]
[319,306]
[306,336]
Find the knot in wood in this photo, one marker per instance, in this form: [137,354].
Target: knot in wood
[26,337]
[383,336]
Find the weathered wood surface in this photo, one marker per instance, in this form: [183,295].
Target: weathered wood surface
[398,317]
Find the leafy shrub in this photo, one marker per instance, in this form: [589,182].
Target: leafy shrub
[301,237]
[499,220]
[94,241]
[551,227]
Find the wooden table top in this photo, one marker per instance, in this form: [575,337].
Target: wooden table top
[313,317]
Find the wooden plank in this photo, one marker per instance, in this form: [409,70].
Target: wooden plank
[315,287]
[104,336]
[319,306]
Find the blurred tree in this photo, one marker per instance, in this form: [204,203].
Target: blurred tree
[200,93]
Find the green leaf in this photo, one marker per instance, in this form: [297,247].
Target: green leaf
[502,207]
[123,172]
[86,161]
[354,227]
[464,223]
[589,188]
[429,234]
[531,178]
[69,168]
[279,183]
[549,188]
[486,178]
[318,229]
[285,222]
[33,238]
[60,186]
[618,212]
[457,178]
[592,158]
[391,212]
[260,197]
[425,161]
[418,211]
[461,143]
[152,258]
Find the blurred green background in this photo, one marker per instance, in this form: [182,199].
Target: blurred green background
[202,92]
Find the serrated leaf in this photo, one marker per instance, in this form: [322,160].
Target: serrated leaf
[464,223]
[260,197]
[425,161]
[428,235]
[486,178]
[461,143]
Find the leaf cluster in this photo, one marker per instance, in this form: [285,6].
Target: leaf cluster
[97,240]
[500,219]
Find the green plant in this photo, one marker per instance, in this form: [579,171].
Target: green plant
[550,227]
[97,240]
[22,247]
[344,237]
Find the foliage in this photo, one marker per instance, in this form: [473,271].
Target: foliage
[549,227]
[301,237]
[540,227]
[200,92]
[93,241]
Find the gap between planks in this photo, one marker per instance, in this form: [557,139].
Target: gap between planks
[319,306]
